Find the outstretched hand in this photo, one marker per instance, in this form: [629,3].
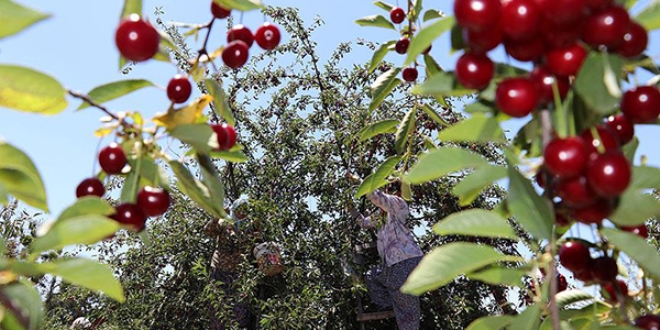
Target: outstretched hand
[352,177]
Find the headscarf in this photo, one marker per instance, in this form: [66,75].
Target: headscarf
[241,203]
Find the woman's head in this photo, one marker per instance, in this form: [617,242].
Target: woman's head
[240,208]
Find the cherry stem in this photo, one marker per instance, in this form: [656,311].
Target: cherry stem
[410,22]
[91,102]
[203,50]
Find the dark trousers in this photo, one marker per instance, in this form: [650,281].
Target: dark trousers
[242,314]
[384,285]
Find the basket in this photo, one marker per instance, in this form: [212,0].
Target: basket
[268,258]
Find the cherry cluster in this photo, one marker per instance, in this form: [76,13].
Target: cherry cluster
[398,15]
[240,38]
[553,34]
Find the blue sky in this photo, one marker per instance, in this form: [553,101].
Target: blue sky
[77,47]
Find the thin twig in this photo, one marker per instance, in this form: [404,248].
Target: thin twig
[93,103]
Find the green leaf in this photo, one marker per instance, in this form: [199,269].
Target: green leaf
[199,136]
[220,101]
[498,275]
[425,37]
[131,7]
[406,192]
[490,322]
[379,54]
[86,273]
[594,82]
[131,183]
[242,5]
[379,177]
[475,222]
[403,131]
[15,17]
[532,211]
[442,83]
[530,318]
[440,162]
[635,206]
[432,66]
[193,188]
[84,229]
[383,5]
[212,181]
[443,264]
[568,297]
[432,14]
[382,87]
[28,90]
[628,4]
[230,156]
[89,205]
[113,90]
[376,21]
[434,115]
[481,106]
[630,148]
[649,17]
[23,302]
[20,178]
[153,174]
[478,128]
[636,248]
[385,126]
[468,189]
[645,177]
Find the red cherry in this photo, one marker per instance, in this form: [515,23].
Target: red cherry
[235,54]
[226,135]
[634,41]
[179,89]
[561,283]
[598,4]
[153,201]
[561,220]
[397,15]
[574,255]
[566,61]
[90,187]
[130,215]
[584,275]
[605,269]
[474,70]
[648,322]
[267,36]
[593,213]
[483,41]
[218,11]
[401,45]
[623,128]
[525,50]
[112,159]
[609,174]
[520,19]
[575,192]
[409,74]
[565,157]
[516,97]
[136,39]
[640,230]
[560,35]
[563,11]
[544,80]
[607,138]
[477,14]
[606,27]
[240,32]
[427,50]
[611,292]
[641,104]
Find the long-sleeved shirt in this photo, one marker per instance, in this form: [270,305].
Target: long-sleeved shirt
[232,242]
[395,241]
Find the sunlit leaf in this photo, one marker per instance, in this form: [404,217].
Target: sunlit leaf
[403,131]
[490,322]
[468,189]
[230,156]
[376,21]
[475,222]
[379,54]
[84,229]
[385,6]
[635,206]
[113,90]
[379,177]
[636,248]
[423,39]
[16,18]
[199,136]
[444,263]
[478,128]
[530,318]
[434,115]
[86,273]
[568,297]
[591,82]
[649,17]
[242,5]
[384,126]
[24,307]
[382,87]
[440,162]
[28,90]
[186,115]
[441,83]
[498,275]
[131,7]
[20,178]
[194,188]
[532,211]
[220,101]
[88,205]
[212,181]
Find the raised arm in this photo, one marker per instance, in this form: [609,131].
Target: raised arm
[389,203]
[362,221]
